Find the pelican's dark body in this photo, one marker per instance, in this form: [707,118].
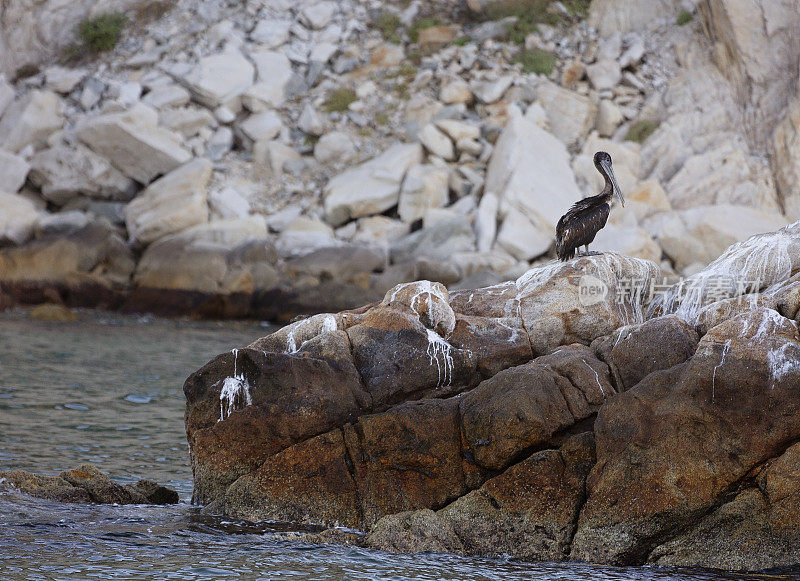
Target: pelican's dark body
[586,218]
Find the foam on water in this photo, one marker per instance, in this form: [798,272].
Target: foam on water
[235,393]
[438,347]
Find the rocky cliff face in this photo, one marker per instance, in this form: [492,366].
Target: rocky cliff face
[529,418]
[274,159]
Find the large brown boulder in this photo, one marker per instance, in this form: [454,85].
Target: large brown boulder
[674,446]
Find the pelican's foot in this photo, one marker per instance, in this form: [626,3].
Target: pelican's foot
[591,253]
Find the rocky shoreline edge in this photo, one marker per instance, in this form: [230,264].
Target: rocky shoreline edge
[86,484]
[520,419]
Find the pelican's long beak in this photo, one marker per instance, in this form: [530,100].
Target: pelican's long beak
[610,171]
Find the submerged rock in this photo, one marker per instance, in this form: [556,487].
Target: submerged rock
[87,483]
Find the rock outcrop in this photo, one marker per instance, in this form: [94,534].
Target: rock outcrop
[87,483]
[536,418]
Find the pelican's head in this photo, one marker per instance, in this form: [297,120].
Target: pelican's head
[602,161]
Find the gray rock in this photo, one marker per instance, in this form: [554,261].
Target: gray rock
[424,187]
[439,242]
[219,78]
[220,143]
[13,171]
[18,216]
[66,171]
[311,121]
[134,143]
[30,120]
[271,33]
[372,187]
[170,204]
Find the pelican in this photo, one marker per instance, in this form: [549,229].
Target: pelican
[586,218]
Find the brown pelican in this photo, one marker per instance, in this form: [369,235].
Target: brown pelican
[586,218]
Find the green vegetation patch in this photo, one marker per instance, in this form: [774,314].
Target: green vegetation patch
[536,61]
[101,33]
[684,18]
[388,23]
[422,24]
[529,14]
[641,130]
[340,99]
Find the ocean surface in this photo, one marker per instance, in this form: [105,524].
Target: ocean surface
[107,389]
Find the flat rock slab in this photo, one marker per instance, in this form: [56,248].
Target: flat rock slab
[87,483]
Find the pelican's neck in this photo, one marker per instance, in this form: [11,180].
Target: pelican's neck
[608,188]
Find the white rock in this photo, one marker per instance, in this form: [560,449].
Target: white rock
[269,157]
[323,52]
[318,14]
[437,142]
[456,91]
[786,159]
[627,238]
[18,215]
[436,216]
[486,221]
[229,203]
[570,116]
[219,78]
[13,171]
[609,118]
[262,126]
[311,121]
[334,146]
[60,223]
[604,74]
[304,235]
[646,199]
[133,142]
[490,91]
[63,80]
[634,52]
[170,95]
[380,230]
[271,33]
[372,187]
[66,171]
[424,187]
[458,130]
[701,234]
[220,143]
[280,220]
[188,121]
[224,114]
[6,94]
[170,204]
[364,90]
[274,74]
[522,238]
[530,172]
[611,17]
[128,93]
[30,120]
[92,93]
[724,175]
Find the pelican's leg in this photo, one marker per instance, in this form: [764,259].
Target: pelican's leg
[593,253]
